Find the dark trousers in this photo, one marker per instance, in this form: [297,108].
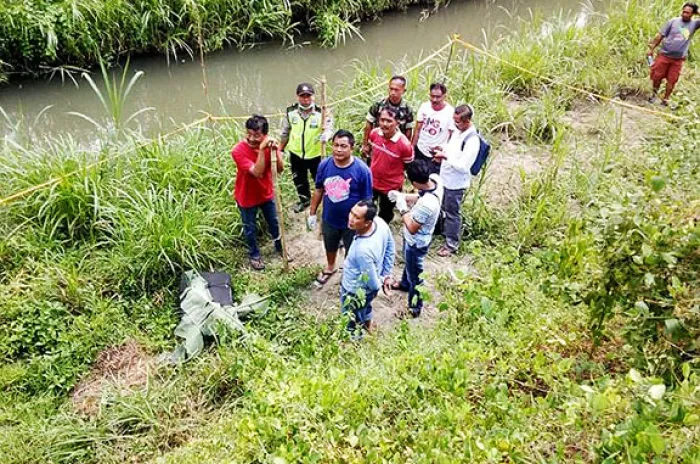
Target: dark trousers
[452,223]
[411,278]
[432,165]
[359,304]
[249,218]
[384,205]
[300,174]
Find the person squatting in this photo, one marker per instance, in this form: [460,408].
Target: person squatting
[360,196]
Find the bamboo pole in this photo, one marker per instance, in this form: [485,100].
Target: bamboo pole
[323,115]
[280,209]
[453,39]
[205,80]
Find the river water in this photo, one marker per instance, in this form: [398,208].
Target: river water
[262,79]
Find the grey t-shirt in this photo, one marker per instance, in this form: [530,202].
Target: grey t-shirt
[425,212]
[677,35]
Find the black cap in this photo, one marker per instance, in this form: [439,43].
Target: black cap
[305,89]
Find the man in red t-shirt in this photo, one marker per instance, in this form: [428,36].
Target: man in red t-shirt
[391,151]
[254,189]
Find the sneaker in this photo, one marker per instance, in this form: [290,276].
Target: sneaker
[415,312]
[301,206]
[664,102]
[654,100]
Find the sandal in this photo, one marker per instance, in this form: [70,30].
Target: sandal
[257,264]
[445,252]
[324,276]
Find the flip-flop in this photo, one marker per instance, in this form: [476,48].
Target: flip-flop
[257,264]
[445,252]
[324,276]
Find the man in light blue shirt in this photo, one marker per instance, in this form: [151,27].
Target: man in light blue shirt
[418,227]
[367,266]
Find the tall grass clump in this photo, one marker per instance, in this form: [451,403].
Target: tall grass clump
[66,34]
[113,98]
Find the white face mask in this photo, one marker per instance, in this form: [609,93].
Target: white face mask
[307,107]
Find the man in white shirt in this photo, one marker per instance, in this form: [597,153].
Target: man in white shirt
[456,160]
[434,126]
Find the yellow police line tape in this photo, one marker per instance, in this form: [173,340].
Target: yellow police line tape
[208,117]
[351,97]
[642,109]
[454,39]
[57,179]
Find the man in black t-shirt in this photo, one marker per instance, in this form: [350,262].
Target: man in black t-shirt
[404,113]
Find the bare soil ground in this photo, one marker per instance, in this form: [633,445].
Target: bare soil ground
[323,301]
[125,367]
[119,368]
[512,163]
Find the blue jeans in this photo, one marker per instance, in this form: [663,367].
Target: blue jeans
[361,307]
[249,218]
[411,278]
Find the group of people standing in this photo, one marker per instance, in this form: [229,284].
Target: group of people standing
[359,195]
[435,150]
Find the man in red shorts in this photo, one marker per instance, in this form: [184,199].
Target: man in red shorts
[676,35]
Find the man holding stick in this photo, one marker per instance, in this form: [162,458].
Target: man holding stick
[674,39]
[254,188]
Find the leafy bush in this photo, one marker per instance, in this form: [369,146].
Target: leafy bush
[649,258]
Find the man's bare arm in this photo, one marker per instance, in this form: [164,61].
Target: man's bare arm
[315,201]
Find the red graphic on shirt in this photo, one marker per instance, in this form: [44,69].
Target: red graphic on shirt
[337,188]
[432,126]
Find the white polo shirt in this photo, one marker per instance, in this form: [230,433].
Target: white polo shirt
[455,168]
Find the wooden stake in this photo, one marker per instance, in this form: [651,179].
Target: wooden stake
[280,209]
[323,142]
[453,39]
[323,115]
[205,81]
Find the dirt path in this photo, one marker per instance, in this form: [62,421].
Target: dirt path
[512,163]
[323,301]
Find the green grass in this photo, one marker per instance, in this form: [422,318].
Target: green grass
[583,299]
[61,35]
